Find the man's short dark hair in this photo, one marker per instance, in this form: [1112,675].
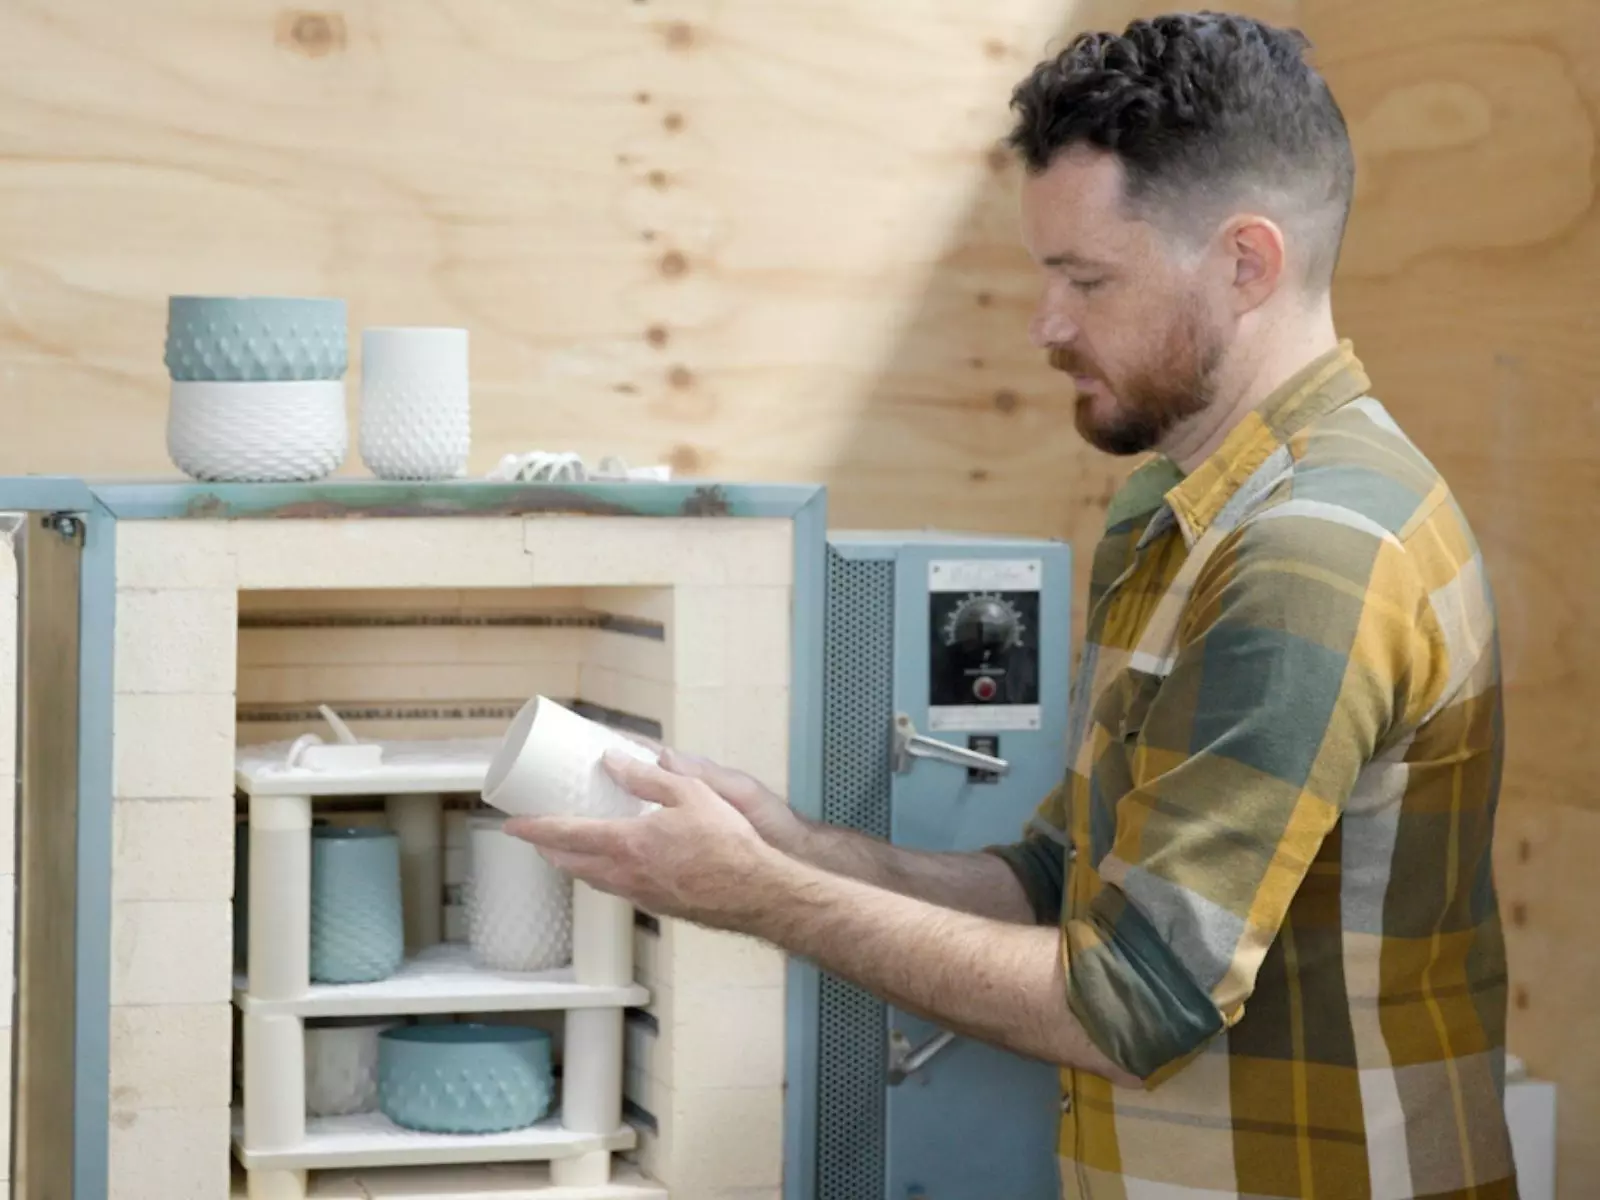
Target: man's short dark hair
[1204,110]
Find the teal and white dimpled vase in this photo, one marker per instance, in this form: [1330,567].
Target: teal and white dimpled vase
[357,924]
[257,389]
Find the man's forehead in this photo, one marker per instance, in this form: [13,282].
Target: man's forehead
[1073,212]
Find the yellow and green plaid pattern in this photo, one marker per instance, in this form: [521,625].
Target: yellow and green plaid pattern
[1277,908]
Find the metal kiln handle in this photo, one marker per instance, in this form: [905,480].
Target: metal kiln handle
[909,744]
[906,1060]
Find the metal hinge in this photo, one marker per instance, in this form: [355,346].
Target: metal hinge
[67,525]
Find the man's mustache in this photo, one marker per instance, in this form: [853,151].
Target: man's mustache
[1070,363]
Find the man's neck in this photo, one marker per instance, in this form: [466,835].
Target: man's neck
[1243,383]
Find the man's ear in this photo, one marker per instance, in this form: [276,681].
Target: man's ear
[1253,247]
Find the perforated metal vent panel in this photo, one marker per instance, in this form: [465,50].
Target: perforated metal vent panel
[859,705]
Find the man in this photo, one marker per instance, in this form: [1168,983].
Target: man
[1256,925]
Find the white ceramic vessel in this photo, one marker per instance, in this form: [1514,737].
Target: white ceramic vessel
[519,907]
[342,1066]
[548,764]
[293,431]
[416,407]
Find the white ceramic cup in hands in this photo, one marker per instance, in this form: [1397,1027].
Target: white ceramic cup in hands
[549,764]
[416,408]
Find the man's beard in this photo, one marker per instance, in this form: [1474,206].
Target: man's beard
[1178,384]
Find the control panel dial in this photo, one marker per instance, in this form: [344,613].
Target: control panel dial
[983,627]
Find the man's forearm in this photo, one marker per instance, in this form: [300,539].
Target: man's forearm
[992,980]
[976,883]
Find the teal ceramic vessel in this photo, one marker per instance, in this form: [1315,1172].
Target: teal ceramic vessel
[464,1078]
[256,339]
[357,927]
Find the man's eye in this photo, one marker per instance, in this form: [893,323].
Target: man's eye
[1086,285]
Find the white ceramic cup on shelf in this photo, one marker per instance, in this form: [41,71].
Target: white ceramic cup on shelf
[416,403]
[549,764]
[519,906]
[342,1065]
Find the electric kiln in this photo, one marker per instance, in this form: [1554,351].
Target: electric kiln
[172,639]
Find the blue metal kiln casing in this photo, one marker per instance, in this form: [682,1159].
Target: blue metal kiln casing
[931,641]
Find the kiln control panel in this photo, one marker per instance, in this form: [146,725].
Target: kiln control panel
[983,666]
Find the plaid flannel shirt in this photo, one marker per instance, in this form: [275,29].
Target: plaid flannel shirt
[1270,857]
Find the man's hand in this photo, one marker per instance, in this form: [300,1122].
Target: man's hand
[973,882]
[777,823]
[698,856]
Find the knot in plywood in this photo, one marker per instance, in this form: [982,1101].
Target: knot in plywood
[313,34]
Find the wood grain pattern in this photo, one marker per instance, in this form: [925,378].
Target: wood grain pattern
[772,241]
[1470,287]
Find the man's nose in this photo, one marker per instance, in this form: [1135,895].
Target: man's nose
[1051,328]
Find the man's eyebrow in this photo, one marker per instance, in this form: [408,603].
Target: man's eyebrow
[1067,258]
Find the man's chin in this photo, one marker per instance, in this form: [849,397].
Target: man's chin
[1121,437]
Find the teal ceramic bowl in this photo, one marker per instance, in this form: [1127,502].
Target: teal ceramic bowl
[256,339]
[464,1078]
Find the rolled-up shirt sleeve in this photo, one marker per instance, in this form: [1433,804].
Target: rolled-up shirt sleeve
[1305,642]
[1039,858]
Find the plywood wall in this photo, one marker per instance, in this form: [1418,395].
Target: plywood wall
[771,240]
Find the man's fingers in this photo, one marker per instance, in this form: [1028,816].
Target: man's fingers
[645,780]
[591,868]
[571,835]
[723,780]
[648,743]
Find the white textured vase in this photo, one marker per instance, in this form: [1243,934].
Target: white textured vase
[416,404]
[342,1066]
[519,907]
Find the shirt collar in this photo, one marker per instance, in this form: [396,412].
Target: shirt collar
[1328,383]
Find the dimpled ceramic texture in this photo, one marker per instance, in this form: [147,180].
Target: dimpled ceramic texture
[342,1066]
[519,907]
[464,1078]
[258,432]
[549,764]
[415,431]
[416,420]
[357,931]
[247,339]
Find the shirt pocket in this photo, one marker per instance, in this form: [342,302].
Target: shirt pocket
[1138,691]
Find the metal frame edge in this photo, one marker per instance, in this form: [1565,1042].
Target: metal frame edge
[805,795]
[97,609]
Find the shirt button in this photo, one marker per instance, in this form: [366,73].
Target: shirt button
[1066,1102]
